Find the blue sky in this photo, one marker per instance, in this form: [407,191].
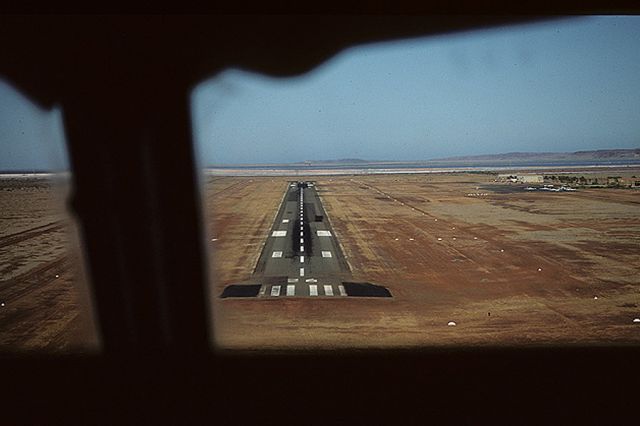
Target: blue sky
[30,138]
[556,86]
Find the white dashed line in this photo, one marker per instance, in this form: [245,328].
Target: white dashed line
[285,220]
[324,233]
[328,290]
[301,240]
[275,290]
[301,259]
[302,272]
[301,248]
[279,234]
[292,280]
[313,290]
[301,234]
[326,254]
[277,254]
[291,290]
[343,292]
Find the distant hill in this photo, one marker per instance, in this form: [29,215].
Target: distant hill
[512,157]
[340,161]
[602,154]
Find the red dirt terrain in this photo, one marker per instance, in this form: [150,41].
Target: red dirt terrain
[43,299]
[508,266]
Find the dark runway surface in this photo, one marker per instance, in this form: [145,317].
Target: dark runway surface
[302,257]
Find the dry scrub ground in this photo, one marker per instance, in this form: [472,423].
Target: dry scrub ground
[43,298]
[509,267]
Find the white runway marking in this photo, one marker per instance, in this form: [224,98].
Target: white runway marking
[277,254]
[301,234]
[311,280]
[275,290]
[301,240]
[285,220]
[279,234]
[301,259]
[302,272]
[291,290]
[326,254]
[292,280]
[343,292]
[313,290]
[262,290]
[328,290]
[324,233]
[301,248]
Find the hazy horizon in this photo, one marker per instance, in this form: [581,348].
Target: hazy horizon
[321,160]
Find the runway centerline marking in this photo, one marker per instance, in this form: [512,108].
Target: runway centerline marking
[301,259]
[302,272]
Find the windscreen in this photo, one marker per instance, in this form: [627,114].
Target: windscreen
[467,189]
[45,306]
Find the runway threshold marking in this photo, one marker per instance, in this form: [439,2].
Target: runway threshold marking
[342,290]
[291,290]
[313,290]
[275,290]
[328,290]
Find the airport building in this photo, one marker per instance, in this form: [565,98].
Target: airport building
[521,178]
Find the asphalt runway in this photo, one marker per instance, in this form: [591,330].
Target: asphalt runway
[301,257]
